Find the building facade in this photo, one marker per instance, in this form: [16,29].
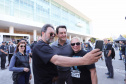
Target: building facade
[24,19]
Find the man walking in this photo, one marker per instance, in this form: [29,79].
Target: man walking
[45,59]
[62,47]
[108,58]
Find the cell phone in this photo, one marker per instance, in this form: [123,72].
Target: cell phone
[99,44]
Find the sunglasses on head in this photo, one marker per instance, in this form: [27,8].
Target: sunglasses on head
[73,44]
[52,34]
[22,46]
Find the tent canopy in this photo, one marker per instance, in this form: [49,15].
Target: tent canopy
[120,38]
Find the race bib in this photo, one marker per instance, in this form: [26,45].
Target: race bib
[75,73]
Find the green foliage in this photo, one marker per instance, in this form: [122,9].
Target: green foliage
[93,40]
[124,35]
[110,39]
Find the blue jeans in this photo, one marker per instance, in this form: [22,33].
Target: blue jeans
[120,54]
[24,78]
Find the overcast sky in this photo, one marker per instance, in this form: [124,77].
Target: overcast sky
[108,16]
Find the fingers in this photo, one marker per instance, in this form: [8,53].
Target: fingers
[98,57]
[30,77]
[95,50]
[98,53]
[26,69]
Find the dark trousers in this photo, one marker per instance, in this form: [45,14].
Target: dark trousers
[9,57]
[3,60]
[64,76]
[120,54]
[108,61]
[23,78]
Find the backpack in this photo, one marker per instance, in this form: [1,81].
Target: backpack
[113,53]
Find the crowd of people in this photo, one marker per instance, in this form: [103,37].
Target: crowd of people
[55,62]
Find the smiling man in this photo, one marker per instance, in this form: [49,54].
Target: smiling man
[62,47]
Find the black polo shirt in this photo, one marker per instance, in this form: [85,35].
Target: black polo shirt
[107,47]
[43,69]
[85,75]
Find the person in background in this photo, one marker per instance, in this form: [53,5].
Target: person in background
[11,48]
[90,44]
[108,58]
[19,64]
[123,50]
[120,48]
[3,49]
[86,73]
[82,45]
[28,51]
[34,42]
[87,47]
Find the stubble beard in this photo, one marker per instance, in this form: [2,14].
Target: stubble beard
[49,40]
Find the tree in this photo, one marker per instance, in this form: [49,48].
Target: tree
[110,39]
[124,35]
[93,40]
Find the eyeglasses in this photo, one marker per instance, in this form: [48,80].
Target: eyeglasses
[73,44]
[52,34]
[22,46]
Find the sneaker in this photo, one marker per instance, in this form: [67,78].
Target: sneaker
[3,68]
[109,77]
[107,73]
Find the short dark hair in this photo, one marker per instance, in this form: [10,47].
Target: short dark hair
[61,26]
[44,28]
[22,39]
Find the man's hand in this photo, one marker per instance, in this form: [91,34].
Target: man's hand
[92,56]
[5,52]
[30,76]
[123,56]
[55,79]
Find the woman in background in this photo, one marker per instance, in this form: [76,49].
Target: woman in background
[19,64]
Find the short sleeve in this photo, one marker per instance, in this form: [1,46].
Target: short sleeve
[2,47]
[90,66]
[45,53]
[109,47]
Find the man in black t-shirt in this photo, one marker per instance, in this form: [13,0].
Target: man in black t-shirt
[85,74]
[44,58]
[108,58]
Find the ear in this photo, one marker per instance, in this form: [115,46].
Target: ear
[43,33]
[56,34]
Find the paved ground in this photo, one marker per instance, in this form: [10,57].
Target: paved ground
[119,73]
